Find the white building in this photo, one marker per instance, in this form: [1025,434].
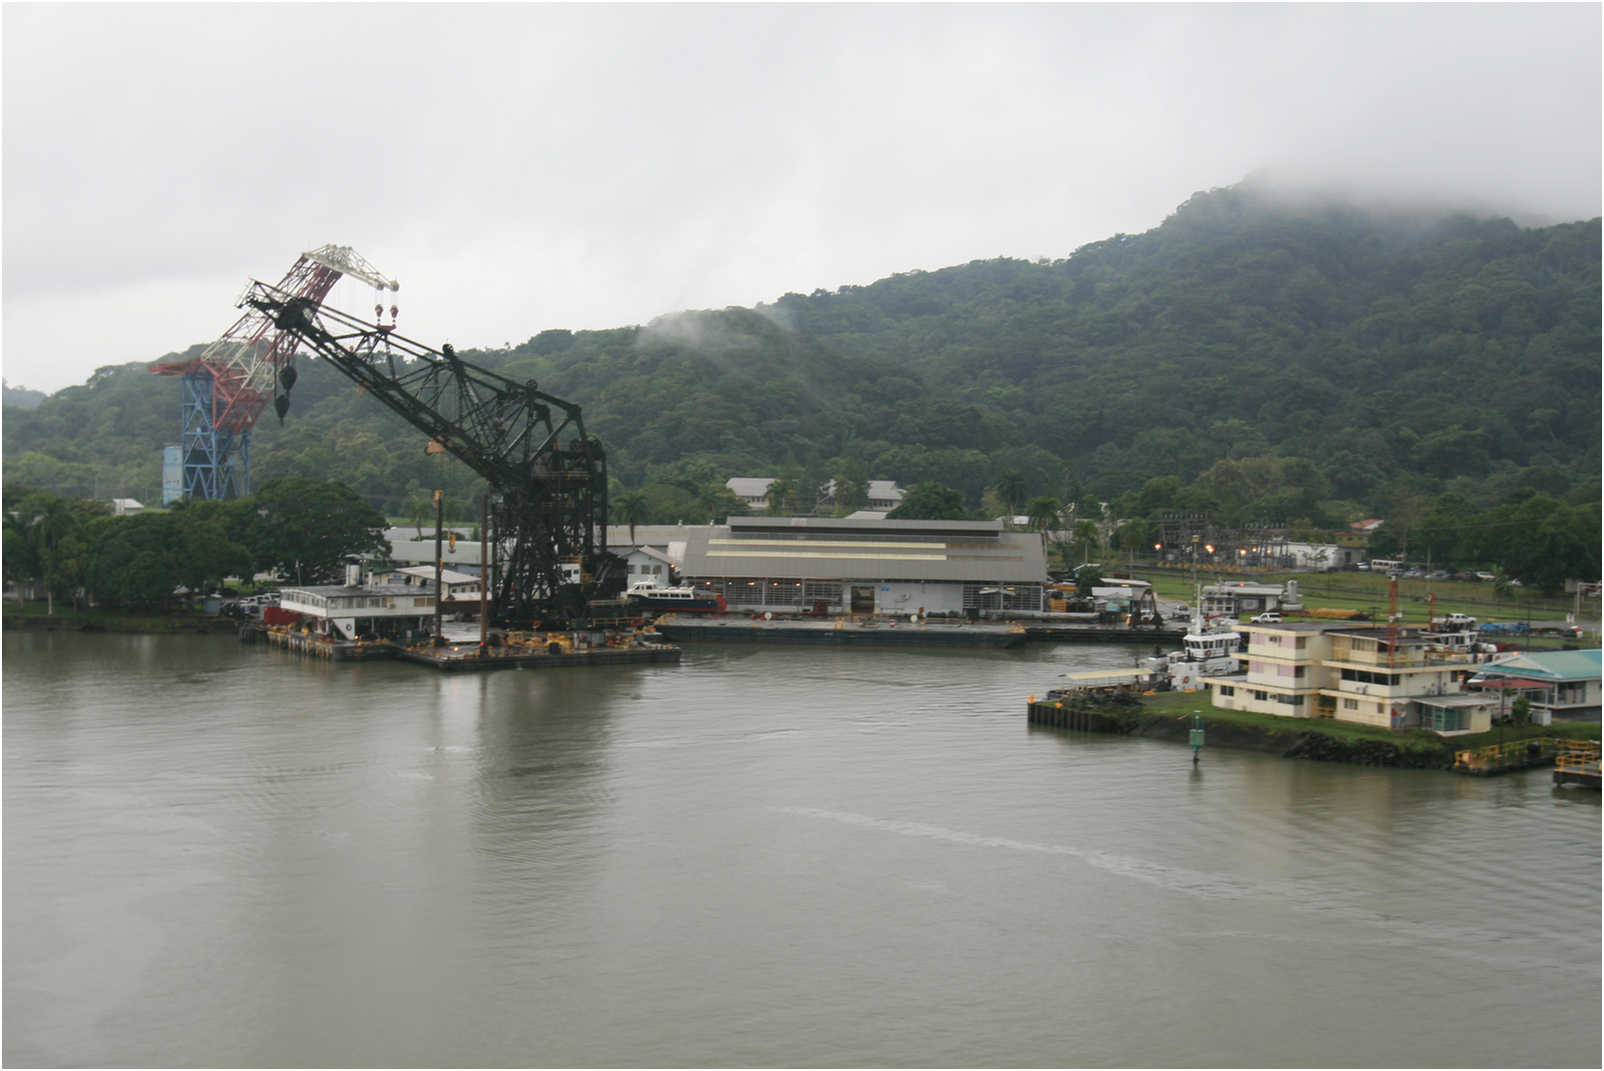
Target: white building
[1358,673]
[1241,598]
[646,565]
[457,587]
[753,490]
[392,609]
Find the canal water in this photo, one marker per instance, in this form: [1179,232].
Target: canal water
[221,855]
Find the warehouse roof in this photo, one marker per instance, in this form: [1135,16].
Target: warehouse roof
[848,548]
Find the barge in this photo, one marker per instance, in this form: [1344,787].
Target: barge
[504,650]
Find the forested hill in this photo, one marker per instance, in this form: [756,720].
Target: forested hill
[1396,353]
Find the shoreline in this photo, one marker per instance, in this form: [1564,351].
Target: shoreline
[151,624]
[1167,716]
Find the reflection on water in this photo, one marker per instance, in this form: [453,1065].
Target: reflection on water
[222,855]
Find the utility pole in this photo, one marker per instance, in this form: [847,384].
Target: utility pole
[484,575]
[439,514]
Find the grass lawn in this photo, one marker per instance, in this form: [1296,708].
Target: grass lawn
[1182,704]
[1364,591]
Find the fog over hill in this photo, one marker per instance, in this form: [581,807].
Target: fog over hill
[1384,350]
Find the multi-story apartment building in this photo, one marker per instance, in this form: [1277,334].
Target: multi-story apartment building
[1360,673]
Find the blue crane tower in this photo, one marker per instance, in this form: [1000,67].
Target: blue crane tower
[225,389]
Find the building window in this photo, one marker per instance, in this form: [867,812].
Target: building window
[1227,689]
[1363,676]
[821,591]
[1439,719]
[1350,704]
[1260,696]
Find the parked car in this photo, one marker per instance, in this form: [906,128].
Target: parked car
[1269,617]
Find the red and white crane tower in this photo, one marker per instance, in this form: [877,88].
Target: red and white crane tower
[226,388]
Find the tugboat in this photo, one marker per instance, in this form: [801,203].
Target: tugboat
[646,596]
[1208,649]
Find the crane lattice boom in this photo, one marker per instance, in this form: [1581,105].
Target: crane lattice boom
[549,478]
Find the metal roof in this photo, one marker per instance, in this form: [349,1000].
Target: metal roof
[931,529]
[1554,665]
[1448,702]
[657,535]
[447,576]
[800,548]
[756,486]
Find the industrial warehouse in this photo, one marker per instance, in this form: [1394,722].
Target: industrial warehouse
[860,566]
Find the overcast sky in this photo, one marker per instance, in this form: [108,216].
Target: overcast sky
[519,168]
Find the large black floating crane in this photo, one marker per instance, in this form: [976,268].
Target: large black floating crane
[547,477]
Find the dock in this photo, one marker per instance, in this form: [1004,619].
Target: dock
[1093,709]
[1530,752]
[1095,633]
[1578,764]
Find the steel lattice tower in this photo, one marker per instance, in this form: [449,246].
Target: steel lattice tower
[226,388]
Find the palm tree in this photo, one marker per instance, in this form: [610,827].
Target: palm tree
[631,508]
[782,493]
[1043,512]
[38,525]
[1086,537]
[1011,488]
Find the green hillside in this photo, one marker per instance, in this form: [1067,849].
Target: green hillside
[1294,361]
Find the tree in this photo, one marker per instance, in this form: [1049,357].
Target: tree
[930,501]
[306,527]
[782,496]
[718,503]
[1043,511]
[1011,489]
[1087,538]
[419,510]
[630,508]
[1087,577]
[34,535]
[851,486]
